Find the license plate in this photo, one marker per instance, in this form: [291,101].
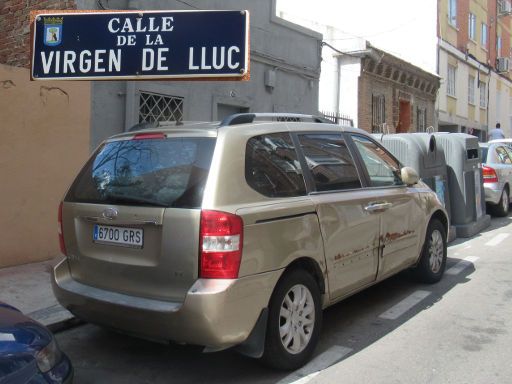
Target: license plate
[121,236]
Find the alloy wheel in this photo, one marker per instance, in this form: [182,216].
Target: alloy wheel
[504,201]
[436,251]
[296,319]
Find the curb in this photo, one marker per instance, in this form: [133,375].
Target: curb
[55,318]
[64,325]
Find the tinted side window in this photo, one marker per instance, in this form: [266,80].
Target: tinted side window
[330,162]
[272,167]
[382,168]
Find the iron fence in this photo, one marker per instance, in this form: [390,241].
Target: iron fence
[338,118]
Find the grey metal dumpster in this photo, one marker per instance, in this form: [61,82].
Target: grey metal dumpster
[465,183]
[421,152]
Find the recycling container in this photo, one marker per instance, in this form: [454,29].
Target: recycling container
[421,152]
[465,182]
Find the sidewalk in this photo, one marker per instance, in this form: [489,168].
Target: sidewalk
[28,288]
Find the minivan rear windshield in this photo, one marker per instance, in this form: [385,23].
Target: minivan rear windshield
[168,172]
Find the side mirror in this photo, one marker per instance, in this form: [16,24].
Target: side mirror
[409,176]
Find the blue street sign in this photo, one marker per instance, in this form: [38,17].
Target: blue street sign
[141,45]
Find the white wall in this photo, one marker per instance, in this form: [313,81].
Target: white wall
[349,86]
[461,86]
[404,28]
[500,104]
[443,69]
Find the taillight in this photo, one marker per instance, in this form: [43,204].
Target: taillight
[489,174]
[61,233]
[148,136]
[220,245]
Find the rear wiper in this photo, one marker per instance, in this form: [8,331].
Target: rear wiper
[135,199]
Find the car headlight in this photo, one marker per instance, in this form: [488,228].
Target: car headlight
[48,356]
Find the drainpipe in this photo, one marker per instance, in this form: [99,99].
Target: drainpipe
[488,106]
[436,114]
[338,87]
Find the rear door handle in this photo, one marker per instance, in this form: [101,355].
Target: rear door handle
[377,207]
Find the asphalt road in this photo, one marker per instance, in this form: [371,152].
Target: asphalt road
[399,331]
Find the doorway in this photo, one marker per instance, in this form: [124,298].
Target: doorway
[404,118]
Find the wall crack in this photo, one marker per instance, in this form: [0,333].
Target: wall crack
[44,93]
[6,84]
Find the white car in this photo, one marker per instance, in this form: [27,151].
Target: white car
[497,172]
[507,142]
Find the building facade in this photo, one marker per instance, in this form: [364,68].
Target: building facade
[45,140]
[371,88]
[284,63]
[393,96]
[474,52]
[50,127]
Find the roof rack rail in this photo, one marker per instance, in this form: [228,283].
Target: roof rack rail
[143,125]
[246,118]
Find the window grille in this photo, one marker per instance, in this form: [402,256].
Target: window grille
[155,107]
[378,113]
[421,119]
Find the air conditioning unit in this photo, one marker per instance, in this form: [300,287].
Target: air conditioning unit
[504,7]
[503,64]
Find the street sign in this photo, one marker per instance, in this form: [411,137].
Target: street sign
[140,45]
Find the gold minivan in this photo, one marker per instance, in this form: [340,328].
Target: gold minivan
[239,234]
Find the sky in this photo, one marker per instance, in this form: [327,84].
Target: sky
[404,28]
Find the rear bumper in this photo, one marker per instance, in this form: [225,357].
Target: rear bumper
[493,192]
[215,313]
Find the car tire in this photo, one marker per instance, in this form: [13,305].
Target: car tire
[432,262]
[294,321]
[501,209]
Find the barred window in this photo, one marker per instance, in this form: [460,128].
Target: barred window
[421,119]
[155,107]
[378,113]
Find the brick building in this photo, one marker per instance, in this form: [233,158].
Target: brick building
[474,53]
[14,24]
[381,92]
[393,96]
[378,91]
